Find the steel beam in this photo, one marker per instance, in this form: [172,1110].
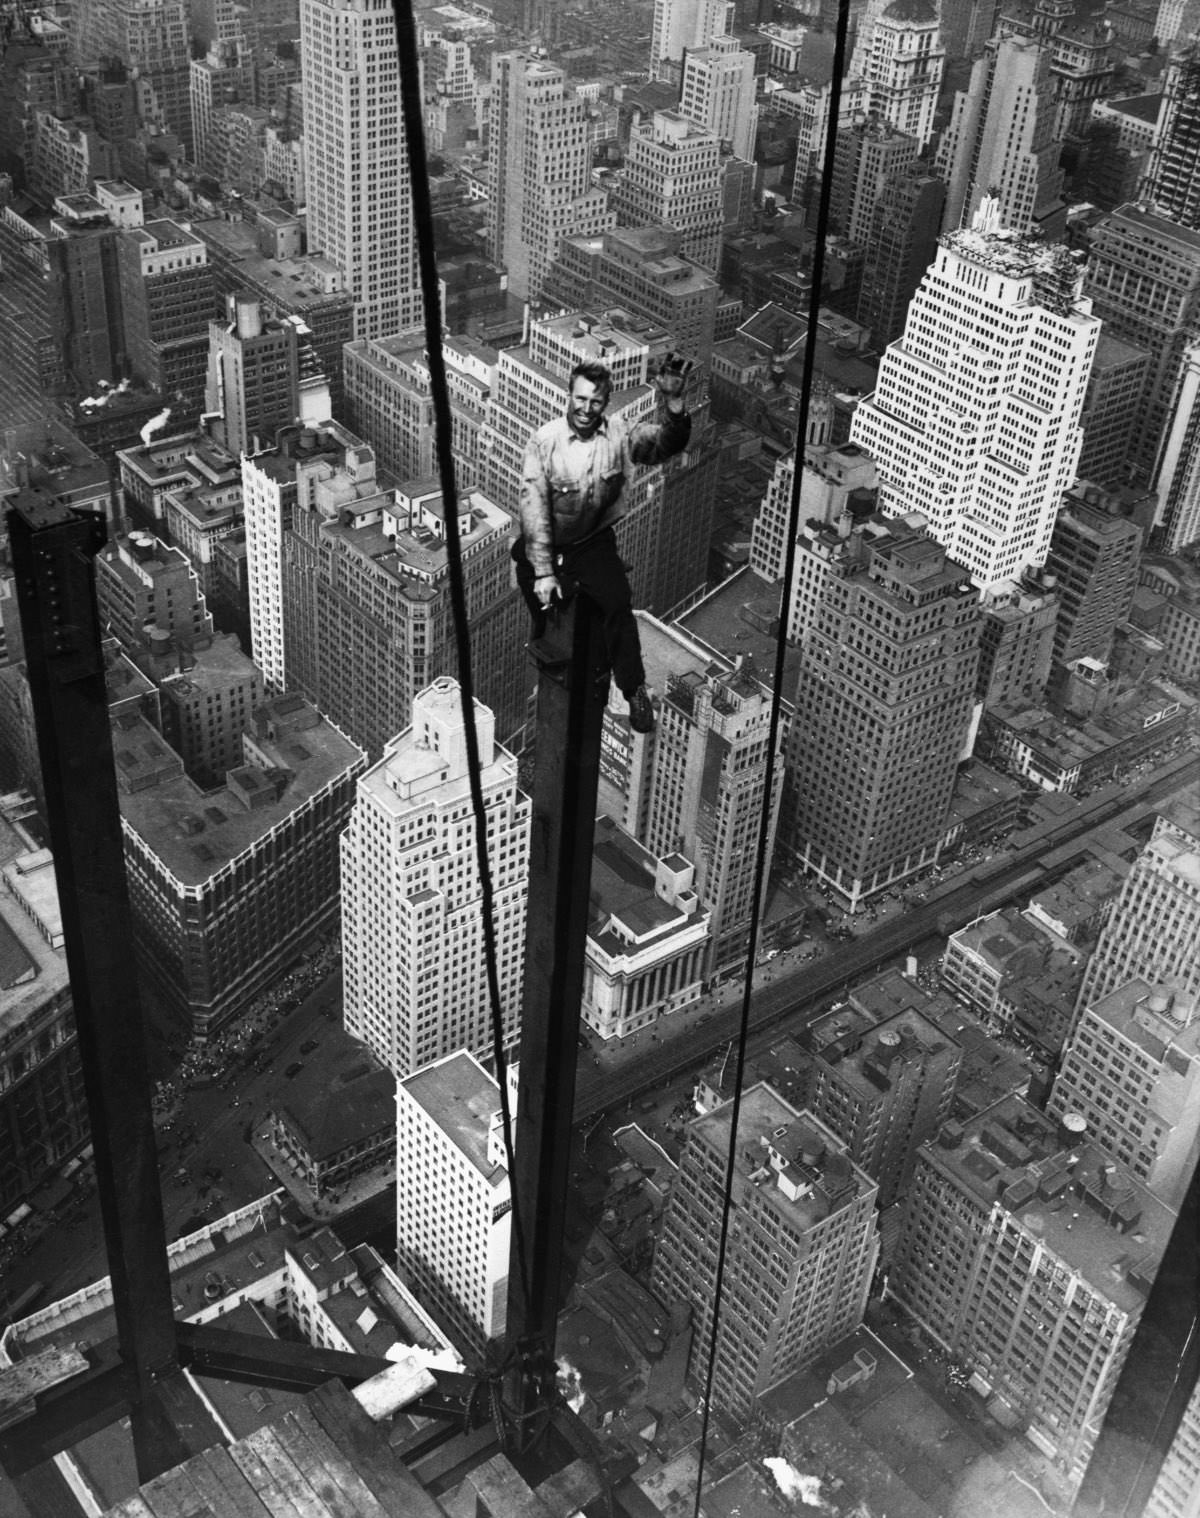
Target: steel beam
[572,690]
[53,546]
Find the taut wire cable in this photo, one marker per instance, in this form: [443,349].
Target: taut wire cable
[760,860]
[422,206]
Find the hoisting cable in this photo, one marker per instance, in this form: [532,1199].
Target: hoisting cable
[422,207]
[760,860]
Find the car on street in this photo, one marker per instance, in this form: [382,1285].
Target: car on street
[294,1069]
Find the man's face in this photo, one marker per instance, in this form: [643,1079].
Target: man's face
[586,405]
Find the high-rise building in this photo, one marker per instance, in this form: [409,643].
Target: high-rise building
[1131,1070]
[974,420]
[1094,560]
[697,789]
[802,1249]
[643,271]
[389,402]
[1027,1254]
[673,176]
[359,205]
[1110,409]
[1001,142]
[882,711]
[453,1198]
[1173,174]
[168,298]
[883,1090]
[43,1116]
[902,61]
[228,886]
[901,243]
[414,976]
[541,154]
[263,258]
[1143,280]
[253,385]
[1155,925]
[150,38]
[679,26]
[1016,643]
[718,92]
[869,157]
[1177,472]
[225,73]
[349,588]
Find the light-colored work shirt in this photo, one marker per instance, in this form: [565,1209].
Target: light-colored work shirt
[571,487]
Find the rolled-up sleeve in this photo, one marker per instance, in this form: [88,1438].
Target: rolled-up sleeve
[652,442]
[535,509]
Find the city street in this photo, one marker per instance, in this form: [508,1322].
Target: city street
[206,1165]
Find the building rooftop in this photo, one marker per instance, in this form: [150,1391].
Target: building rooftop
[1156,1019]
[291,281]
[625,907]
[739,620]
[195,833]
[1142,217]
[338,1099]
[33,966]
[1075,899]
[462,1098]
[1065,1190]
[798,1167]
[1009,943]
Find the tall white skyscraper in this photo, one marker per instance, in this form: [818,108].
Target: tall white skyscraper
[413,967]
[902,66]
[453,1203]
[974,420]
[717,92]
[268,495]
[680,25]
[359,207]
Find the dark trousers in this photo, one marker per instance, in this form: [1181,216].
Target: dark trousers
[595,568]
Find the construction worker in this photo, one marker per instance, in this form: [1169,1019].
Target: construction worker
[572,483]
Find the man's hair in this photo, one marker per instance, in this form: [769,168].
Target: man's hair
[594,371]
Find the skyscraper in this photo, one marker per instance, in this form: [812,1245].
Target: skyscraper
[1155,925]
[802,1249]
[717,92]
[902,62]
[1177,472]
[253,384]
[412,939]
[1173,173]
[359,206]
[673,175]
[1131,1070]
[1001,141]
[1094,560]
[150,38]
[349,590]
[901,243]
[680,25]
[1027,1254]
[882,710]
[168,298]
[869,157]
[453,1202]
[975,416]
[1143,280]
[541,188]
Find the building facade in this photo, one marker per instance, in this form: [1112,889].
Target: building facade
[1028,1256]
[414,966]
[974,421]
[453,1197]
[882,711]
[802,1246]
[359,206]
